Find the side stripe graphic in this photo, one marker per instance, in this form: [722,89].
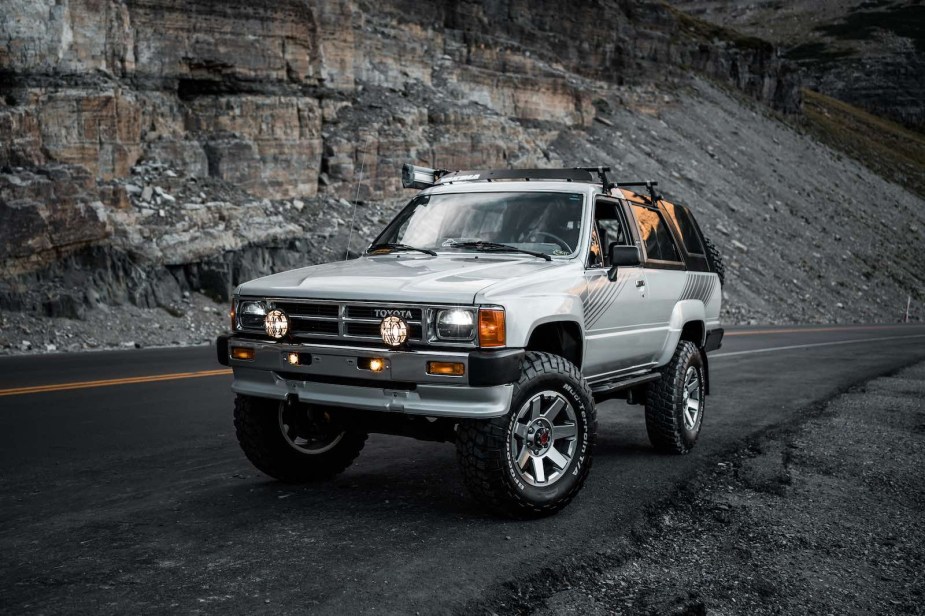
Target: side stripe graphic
[601,294]
[698,286]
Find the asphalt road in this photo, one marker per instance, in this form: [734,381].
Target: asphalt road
[131,495]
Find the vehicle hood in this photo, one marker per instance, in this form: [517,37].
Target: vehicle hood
[397,278]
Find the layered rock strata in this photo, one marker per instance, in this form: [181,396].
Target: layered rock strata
[153,147]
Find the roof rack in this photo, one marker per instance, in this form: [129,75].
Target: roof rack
[489,175]
[575,174]
[649,186]
[423,177]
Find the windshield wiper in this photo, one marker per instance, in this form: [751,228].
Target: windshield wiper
[392,246]
[496,247]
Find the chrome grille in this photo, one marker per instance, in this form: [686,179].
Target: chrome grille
[350,322]
[299,310]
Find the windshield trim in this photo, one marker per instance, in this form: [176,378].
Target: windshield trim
[573,255]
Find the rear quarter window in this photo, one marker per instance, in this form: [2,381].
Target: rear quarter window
[655,235]
[685,224]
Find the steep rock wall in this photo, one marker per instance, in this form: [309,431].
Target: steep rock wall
[295,100]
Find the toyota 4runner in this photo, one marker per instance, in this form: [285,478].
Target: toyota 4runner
[494,311]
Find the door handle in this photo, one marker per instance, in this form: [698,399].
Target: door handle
[640,283]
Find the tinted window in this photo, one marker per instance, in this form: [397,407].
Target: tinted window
[685,224]
[655,235]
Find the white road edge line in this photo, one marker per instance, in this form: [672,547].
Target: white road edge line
[817,344]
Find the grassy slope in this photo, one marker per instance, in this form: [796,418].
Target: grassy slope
[887,148]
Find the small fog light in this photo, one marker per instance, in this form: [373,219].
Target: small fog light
[373,364]
[293,359]
[446,368]
[243,353]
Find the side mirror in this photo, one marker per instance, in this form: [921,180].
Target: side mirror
[622,256]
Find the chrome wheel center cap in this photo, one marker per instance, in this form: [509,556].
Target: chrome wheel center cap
[539,436]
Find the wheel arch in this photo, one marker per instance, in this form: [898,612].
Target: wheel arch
[694,331]
[563,337]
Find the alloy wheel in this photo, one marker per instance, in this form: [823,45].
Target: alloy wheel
[544,438]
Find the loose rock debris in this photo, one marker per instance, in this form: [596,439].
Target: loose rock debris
[824,518]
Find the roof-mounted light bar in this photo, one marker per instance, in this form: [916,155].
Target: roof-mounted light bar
[419,178]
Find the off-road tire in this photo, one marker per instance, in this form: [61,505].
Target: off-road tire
[665,402]
[483,446]
[256,422]
[716,260]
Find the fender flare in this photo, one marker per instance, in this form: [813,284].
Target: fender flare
[686,311]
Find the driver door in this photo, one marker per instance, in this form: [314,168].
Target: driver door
[616,336]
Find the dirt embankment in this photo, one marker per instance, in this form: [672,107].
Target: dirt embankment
[823,518]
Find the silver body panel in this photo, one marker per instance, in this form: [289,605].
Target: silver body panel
[630,325]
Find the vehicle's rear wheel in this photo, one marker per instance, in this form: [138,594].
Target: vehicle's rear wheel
[294,443]
[675,403]
[532,461]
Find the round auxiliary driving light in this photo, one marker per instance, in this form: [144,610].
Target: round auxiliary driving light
[276,323]
[394,331]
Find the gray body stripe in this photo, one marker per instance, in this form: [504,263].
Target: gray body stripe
[601,296]
[606,302]
[698,286]
[600,293]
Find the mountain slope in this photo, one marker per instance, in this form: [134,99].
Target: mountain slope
[869,53]
[154,149]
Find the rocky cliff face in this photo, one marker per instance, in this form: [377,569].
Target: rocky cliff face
[869,54]
[153,147]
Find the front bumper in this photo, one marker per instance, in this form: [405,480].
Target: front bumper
[332,376]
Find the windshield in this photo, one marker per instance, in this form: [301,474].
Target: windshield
[544,222]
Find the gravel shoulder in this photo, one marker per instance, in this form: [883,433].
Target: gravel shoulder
[822,517]
[190,319]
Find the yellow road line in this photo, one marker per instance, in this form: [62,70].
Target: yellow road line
[16,391]
[36,389]
[801,330]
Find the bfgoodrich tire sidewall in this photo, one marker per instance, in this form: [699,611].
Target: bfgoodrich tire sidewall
[690,436]
[580,463]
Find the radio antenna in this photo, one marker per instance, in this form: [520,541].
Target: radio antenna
[356,199]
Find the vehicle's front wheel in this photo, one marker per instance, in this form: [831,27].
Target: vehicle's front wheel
[294,443]
[674,403]
[532,461]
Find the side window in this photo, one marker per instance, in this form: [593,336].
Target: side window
[595,255]
[685,224]
[655,235]
[609,227]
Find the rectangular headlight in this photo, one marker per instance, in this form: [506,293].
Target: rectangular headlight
[456,324]
[251,314]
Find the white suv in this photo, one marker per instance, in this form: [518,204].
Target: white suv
[493,311]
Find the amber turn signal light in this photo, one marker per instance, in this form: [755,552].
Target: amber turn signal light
[491,327]
[244,353]
[446,368]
